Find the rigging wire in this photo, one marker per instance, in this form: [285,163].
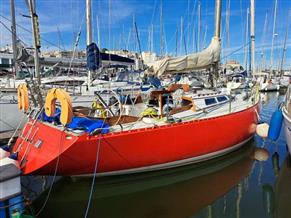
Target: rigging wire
[29,31]
[7,28]
[76,44]
[235,51]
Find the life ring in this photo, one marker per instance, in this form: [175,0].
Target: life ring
[22,97]
[63,97]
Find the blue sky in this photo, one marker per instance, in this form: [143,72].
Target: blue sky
[67,16]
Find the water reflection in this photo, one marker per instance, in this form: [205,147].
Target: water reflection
[179,192]
[277,197]
[282,191]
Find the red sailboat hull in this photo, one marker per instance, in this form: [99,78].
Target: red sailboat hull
[49,150]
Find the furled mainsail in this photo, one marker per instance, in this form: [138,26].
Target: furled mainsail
[200,60]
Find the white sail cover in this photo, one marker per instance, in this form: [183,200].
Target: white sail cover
[194,61]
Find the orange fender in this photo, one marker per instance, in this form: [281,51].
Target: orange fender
[63,97]
[22,97]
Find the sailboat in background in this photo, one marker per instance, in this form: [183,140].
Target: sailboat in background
[265,79]
[83,90]
[10,116]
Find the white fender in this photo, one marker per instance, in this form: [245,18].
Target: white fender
[262,130]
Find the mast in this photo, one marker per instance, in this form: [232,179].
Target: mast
[227,20]
[89,32]
[98,30]
[109,29]
[217,37]
[182,35]
[128,39]
[161,30]
[247,41]
[133,33]
[285,42]
[176,50]
[194,39]
[185,43]
[204,37]
[13,30]
[217,18]
[199,25]
[149,38]
[253,35]
[36,39]
[188,23]
[88,22]
[152,37]
[263,65]
[273,33]
[137,36]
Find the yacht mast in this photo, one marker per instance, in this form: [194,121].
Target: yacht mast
[263,64]
[176,50]
[216,36]
[182,35]
[227,20]
[36,38]
[137,37]
[217,18]
[284,45]
[109,29]
[152,38]
[89,32]
[273,33]
[13,30]
[253,36]
[88,22]
[98,30]
[149,39]
[133,33]
[199,25]
[247,41]
[161,31]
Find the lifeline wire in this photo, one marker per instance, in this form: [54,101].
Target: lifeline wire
[17,128]
[26,138]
